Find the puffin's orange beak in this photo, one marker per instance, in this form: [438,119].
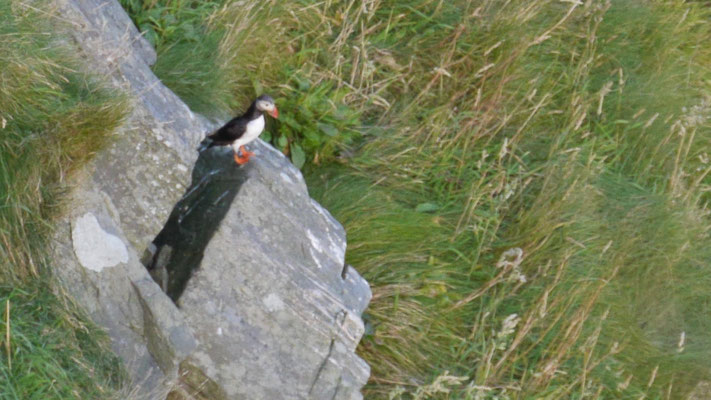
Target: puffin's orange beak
[274,113]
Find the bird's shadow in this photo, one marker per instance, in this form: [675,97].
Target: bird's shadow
[176,253]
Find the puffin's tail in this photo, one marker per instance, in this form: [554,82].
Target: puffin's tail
[205,144]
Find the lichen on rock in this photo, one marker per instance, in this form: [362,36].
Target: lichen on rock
[95,248]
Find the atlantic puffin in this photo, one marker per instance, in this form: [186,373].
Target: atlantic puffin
[245,128]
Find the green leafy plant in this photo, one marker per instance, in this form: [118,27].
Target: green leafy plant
[165,22]
[314,123]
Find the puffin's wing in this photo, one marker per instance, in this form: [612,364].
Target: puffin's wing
[232,131]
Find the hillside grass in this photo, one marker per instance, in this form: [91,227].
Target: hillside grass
[523,183]
[53,119]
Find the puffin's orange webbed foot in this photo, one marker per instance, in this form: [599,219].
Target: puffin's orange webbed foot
[244,157]
[245,152]
[240,159]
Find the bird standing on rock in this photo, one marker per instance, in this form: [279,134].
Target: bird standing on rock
[245,128]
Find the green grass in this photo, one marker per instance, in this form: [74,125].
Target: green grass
[523,183]
[54,353]
[53,120]
[188,54]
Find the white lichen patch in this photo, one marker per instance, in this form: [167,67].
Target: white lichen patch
[315,242]
[95,248]
[332,249]
[286,177]
[273,302]
[316,258]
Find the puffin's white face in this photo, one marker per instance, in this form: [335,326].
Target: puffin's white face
[268,107]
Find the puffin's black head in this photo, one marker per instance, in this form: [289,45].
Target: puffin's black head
[265,103]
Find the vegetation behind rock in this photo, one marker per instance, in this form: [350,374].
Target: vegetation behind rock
[523,183]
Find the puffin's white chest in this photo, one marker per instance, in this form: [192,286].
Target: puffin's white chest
[254,129]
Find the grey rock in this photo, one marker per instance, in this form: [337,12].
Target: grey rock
[95,248]
[267,308]
[168,338]
[123,198]
[145,170]
[257,269]
[107,294]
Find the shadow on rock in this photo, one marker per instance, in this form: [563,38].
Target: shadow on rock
[176,253]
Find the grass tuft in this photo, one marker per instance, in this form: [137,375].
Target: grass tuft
[53,119]
[53,353]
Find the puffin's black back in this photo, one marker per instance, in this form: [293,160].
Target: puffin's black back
[236,127]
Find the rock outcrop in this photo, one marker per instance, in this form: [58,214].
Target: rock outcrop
[268,286]
[267,309]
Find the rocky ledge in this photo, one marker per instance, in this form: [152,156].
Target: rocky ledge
[227,282]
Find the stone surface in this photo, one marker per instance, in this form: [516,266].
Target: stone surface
[108,295]
[268,309]
[168,338]
[123,198]
[145,171]
[257,268]
[95,248]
